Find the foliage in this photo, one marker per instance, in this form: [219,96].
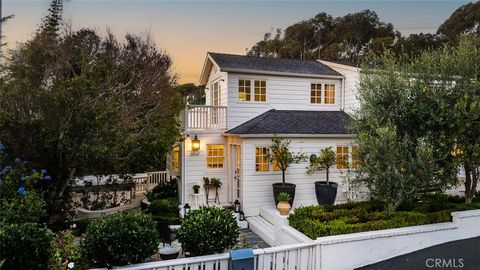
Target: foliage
[120,239]
[283,157]
[318,221]
[166,189]
[283,196]
[465,19]
[323,162]
[22,209]
[64,251]
[194,95]
[166,209]
[196,187]
[25,246]
[113,192]
[206,181]
[216,182]
[208,230]
[77,103]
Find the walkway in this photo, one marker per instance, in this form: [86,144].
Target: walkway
[462,254]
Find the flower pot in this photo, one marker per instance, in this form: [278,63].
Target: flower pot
[195,191]
[283,207]
[169,253]
[326,193]
[288,188]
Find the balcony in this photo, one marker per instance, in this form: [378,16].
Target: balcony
[205,119]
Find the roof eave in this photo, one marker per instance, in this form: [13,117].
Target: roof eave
[290,135]
[341,66]
[290,74]
[207,67]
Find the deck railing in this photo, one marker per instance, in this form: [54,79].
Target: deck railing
[202,118]
[150,180]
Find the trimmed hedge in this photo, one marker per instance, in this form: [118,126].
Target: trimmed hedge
[120,239]
[318,221]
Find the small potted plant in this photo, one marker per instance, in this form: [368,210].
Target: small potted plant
[206,181]
[216,182]
[283,206]
[284,158]
[196,189]
[326,191]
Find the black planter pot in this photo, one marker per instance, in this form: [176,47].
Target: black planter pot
[288,188]
[326,194]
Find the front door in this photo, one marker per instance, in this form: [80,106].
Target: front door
[236,172]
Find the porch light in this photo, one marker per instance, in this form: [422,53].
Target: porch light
[236,206]
[195,144]
[186,209]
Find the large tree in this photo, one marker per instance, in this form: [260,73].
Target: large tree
[419,122]
[464,20]
[76,103]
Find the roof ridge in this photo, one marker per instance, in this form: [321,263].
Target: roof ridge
[276,58]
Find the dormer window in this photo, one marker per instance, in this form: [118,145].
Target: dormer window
[322,93]
[259,90]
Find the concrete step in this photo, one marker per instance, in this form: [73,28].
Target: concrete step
[272,215]
[262,228]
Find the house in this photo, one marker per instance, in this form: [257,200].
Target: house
[249,100]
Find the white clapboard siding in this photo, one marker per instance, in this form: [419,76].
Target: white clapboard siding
[196,167]
[283,93]
[352,77]
[257,186]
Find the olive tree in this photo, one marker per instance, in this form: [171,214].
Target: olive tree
[283,157]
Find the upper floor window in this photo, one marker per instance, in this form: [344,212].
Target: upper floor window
[347,156]
[215,156]
[316,93]
[215,94]
[244,90]
[259,90]
[329,94]
[322,92]
[176,159]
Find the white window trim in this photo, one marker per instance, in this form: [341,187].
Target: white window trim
[349,156]
[206,158]
[252,91]
[322,93]
[270,166]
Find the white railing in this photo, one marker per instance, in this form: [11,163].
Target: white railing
[150,180]
[290,257]
[200,118]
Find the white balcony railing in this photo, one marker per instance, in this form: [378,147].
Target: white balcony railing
[201,118]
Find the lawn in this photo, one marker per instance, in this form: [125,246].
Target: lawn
[318,221]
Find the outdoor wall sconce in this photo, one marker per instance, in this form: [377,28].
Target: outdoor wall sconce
[195,144]
[236,206]
[313,157]
[186,209]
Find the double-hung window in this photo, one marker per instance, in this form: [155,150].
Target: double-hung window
[215,156]
[244,90]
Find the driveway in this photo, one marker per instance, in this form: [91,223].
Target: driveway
[462,254]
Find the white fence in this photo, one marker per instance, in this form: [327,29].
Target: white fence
[205,118]
[341,251]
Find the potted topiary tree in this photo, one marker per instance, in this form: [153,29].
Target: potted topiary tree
[325,191]
[283,206]
[283,158]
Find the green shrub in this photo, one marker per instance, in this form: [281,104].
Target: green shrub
[165,210]
[64,251]
[166,189]
[208,230]
[25,246]
[22,209]
[120,239]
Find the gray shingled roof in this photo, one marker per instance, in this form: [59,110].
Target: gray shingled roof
[229,62]
[295,122]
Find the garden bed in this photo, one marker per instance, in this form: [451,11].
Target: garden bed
[319,221]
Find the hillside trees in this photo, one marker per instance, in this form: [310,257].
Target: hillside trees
[76,103]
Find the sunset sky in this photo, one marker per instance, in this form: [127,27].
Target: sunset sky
[189,29]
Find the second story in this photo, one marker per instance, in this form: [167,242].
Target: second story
[239,88]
